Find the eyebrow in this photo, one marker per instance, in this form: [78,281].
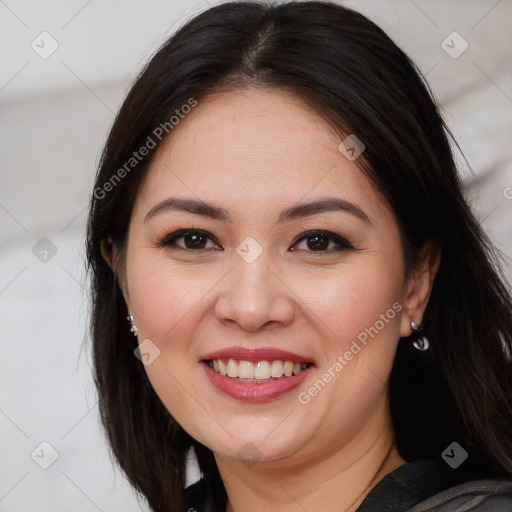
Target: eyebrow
[198,207]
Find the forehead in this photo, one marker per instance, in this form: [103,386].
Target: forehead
[254,147]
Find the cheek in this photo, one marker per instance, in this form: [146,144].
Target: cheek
[358,314]
[353,299]
[167,305]
[164,296]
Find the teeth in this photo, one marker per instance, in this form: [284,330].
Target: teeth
[288,368]
[232,368]
[276,369]
[260,371]
[245,370]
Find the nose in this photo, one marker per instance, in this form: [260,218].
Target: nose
[254,297]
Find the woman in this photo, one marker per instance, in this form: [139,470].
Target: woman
[287,281]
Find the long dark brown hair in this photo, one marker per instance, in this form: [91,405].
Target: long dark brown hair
[361,82]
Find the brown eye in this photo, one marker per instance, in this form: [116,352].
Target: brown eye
[188,239]
[322,241]
[195,241]
[317,243]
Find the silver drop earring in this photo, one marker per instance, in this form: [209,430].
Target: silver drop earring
[420,342]
[133,327]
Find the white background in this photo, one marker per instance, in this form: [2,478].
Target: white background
[55,114]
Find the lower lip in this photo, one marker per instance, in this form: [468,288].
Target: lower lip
[252,391]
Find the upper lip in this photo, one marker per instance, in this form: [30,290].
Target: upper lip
[256,354]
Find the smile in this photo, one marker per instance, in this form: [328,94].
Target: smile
[256,375]
[258,372]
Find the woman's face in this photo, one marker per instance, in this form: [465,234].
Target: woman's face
[291,262]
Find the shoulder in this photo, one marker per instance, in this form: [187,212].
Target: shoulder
[489,495]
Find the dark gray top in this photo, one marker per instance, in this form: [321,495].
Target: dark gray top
[428,485]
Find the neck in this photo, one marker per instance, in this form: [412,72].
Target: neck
[337,481]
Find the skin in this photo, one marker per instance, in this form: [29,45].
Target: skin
[254,152]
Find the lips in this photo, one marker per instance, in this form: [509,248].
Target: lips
[256,375]
[255,355]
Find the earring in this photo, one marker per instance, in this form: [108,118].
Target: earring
[420,342]
[133,327]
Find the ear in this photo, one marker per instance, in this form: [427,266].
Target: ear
[419,286]
[110,253]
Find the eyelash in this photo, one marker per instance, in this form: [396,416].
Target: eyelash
[169,240]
